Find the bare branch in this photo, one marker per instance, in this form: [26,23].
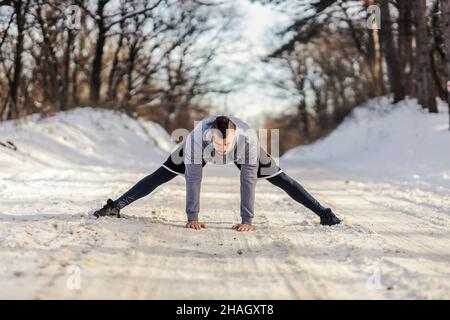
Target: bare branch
[85,9]
[131,15]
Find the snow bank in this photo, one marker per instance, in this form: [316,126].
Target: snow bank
[82,137]
[401,141]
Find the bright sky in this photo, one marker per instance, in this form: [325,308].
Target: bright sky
[257,28]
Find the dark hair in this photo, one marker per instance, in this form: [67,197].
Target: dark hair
[222,123]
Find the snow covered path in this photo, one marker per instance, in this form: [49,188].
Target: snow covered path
[394,242]
[390,185]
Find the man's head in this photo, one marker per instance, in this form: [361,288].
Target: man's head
[223,134]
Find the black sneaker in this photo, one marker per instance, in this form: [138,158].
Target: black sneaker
[109,209]
[328,218]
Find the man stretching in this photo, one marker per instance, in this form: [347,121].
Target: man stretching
[220,140]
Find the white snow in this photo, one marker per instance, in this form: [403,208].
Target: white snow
[387,179]
[83,137]
[380,139]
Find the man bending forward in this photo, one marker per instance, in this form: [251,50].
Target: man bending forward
[220,140]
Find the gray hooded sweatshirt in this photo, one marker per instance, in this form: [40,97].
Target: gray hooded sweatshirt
[245,152]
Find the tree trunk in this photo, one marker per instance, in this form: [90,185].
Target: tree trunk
[112,89]
[304,122]
[130,66]
[112,92]
[375,62]
[405,48]
[424,81]
[445,21]
[97,67]
[66,79]
[11,108]
[395,72]
[375,57]
[96,79]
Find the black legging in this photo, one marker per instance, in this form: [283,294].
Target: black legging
[162,175]
[296,192]
[145,186]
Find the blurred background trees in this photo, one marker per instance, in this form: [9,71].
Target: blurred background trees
[136,56]
[340,53]
[159,58]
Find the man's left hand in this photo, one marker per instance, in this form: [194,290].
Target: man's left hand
[242,227]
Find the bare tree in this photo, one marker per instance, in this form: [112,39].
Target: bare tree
[405,45]
[424,81]
[104,23]
[12,101]
[445,20]
[395,73]
[374,57]
[112,83]
[6,80]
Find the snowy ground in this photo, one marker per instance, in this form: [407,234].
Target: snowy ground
[394,242]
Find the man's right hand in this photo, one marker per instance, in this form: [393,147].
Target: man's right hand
[195,225]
